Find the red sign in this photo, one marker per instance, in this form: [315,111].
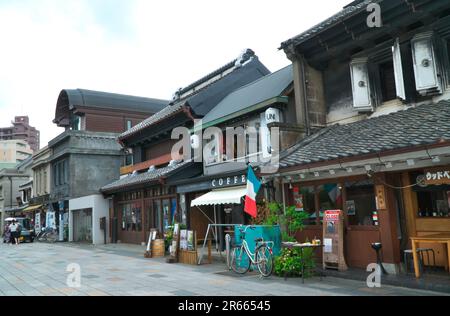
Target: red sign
[332,216]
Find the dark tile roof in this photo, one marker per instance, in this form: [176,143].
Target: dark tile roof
[201,101]
[348,11]
[82,97]
[421,125]
[144,178]
[263,89]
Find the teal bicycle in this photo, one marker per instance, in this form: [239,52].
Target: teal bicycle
[242,258]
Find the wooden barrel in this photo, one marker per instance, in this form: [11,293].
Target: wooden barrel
[158,248]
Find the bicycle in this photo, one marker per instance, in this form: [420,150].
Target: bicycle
[242,257]
[47,235]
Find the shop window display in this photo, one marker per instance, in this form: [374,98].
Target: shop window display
[330,198]
[304,199]
[132,217]
[361,203]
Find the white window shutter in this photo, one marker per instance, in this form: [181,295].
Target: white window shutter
[359,71]
[425,64]
[398,70]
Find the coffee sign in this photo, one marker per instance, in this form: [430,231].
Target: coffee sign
[437,176]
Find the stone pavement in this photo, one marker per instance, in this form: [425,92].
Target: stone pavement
[121,270]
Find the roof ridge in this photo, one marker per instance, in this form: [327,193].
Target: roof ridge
[82,93]
[247,54]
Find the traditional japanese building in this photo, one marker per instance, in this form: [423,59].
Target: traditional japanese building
[87,156]
[381,151]
[144,198]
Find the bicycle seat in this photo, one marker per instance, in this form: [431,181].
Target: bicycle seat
[259,240]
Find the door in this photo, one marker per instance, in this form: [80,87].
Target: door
[82,225]
[131,223]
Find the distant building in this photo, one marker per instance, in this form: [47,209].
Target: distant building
[13,152]
[87,156]
[21,129]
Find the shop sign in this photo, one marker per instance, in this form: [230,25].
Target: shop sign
[437,176]
[216,183]
[298,198]
[332,216]
[229,181]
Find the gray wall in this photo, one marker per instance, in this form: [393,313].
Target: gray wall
[94,160]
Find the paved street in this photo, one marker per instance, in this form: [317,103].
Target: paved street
[40,269]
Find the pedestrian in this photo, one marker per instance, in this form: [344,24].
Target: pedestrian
[15,231]
[6,234]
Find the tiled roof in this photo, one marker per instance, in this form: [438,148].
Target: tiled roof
[159,116]
[143,178]
[421,125]
[351,9]
[233,75]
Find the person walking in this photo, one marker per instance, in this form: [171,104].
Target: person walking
[6,234]
[14,228]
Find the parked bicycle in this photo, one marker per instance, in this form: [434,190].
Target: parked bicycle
[242,257]
[48,234]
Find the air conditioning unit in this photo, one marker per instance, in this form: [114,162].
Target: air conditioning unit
[426,70]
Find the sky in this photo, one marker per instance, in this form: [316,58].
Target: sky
[138,47]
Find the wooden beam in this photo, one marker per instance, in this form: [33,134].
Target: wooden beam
[411,205]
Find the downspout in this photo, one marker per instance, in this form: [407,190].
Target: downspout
[305,96]
[10,191]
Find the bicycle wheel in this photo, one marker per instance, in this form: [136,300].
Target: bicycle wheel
[240,262]
[264,261]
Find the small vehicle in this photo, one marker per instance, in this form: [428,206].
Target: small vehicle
[27,233]
[242,257]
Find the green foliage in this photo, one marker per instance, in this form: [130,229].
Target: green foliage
[290,262]
[293,220]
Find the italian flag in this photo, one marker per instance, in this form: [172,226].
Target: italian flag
[253,186]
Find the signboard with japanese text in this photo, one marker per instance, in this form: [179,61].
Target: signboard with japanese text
[437,176]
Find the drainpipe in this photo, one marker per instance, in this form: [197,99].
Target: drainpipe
[10,191]
[305,95]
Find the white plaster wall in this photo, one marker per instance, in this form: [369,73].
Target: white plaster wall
[100,208]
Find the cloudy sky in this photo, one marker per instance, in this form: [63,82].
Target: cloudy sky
[138,47]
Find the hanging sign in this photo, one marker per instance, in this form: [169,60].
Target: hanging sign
[437,176]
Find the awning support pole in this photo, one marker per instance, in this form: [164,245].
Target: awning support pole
[204,245]
[215,228]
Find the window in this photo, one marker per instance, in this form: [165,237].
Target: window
[387,76]
[330,198]
[361,203]
[132,217]
[76,123]
[129,125]
[61,172]
[304,200]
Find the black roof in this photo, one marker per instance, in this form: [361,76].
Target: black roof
[145,178]
[204,99]
[421,125]
[69,99]
[349,10]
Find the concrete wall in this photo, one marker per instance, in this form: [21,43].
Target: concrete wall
[91,172]
[100,208]
[94,161]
